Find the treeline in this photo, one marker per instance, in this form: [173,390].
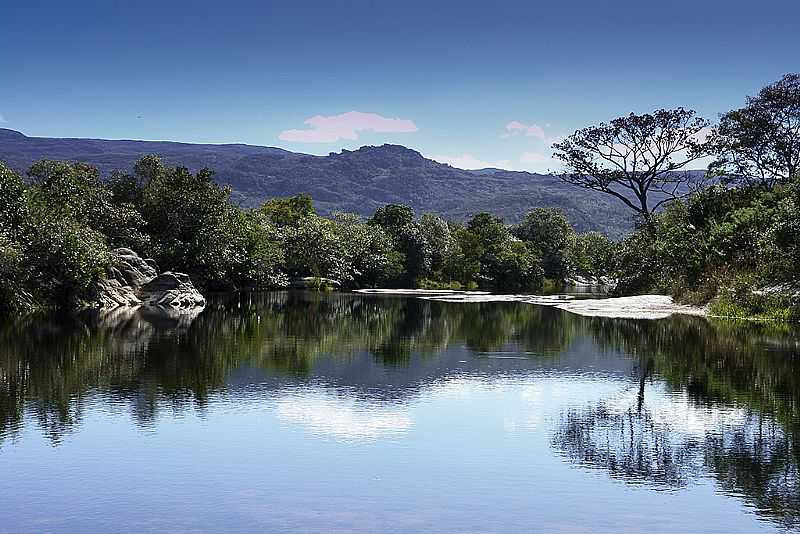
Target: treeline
[58,231]
[730,236]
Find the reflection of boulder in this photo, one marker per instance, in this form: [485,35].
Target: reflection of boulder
[133,281]
[140,323]
[170,318]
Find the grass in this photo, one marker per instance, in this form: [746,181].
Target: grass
[764,311]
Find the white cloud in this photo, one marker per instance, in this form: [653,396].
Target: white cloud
[468,161]
[2,119]
[324,129]
[529,130]
[517,128]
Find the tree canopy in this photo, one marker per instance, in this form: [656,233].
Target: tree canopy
[760,142]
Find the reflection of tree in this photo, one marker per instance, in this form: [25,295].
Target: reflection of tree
[149,359]
[756,461]
[628,443]
[753,368]
[51,367]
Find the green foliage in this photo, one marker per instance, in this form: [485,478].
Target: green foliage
[64,258]
[505,263]
[393,217]
[51,245]
[516,268]
[548,231]
[288,211]
[195,228]
[260,253]
[591,255]
[758,143]
[369,251]
[312,248]
[723,245]
[409,238]
[75,191]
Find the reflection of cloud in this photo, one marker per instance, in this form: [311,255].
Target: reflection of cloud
[343,418]
[678,412]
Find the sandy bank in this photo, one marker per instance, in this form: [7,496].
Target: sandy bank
[636,307]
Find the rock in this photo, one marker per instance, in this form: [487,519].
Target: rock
[133,281]
[135,270]
[591,281]
[110,294]
[171,289]
[788,291]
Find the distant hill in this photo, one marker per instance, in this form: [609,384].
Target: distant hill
[356,181]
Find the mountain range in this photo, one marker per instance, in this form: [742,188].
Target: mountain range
[357,181]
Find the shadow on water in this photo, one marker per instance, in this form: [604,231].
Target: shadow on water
[705,399]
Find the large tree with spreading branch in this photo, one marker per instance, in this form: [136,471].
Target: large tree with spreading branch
[642,160]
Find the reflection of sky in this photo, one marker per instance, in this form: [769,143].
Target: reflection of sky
[464,453]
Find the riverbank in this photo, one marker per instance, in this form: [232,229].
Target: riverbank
[634,307]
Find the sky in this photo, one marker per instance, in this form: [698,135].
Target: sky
[473,84]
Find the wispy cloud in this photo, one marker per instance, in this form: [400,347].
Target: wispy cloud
[517,128]
[2,119]
[468,161]
[347,126]
[520,128]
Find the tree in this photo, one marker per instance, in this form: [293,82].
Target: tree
[590,255]
[288,211]
[398,221]
[490,232]
[516,268]
[636,158]
[75,191]
[193,226]
[437,234]
[761,141]
[14,218]
[370,251]
[463,264]
[313,248]
[393,217]
[548,231]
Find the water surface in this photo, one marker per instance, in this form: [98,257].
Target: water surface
[295,411]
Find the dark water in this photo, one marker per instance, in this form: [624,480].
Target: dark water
[347,413]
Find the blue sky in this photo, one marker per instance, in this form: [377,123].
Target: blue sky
[472,83]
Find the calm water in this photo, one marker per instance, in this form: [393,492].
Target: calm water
[352,413]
